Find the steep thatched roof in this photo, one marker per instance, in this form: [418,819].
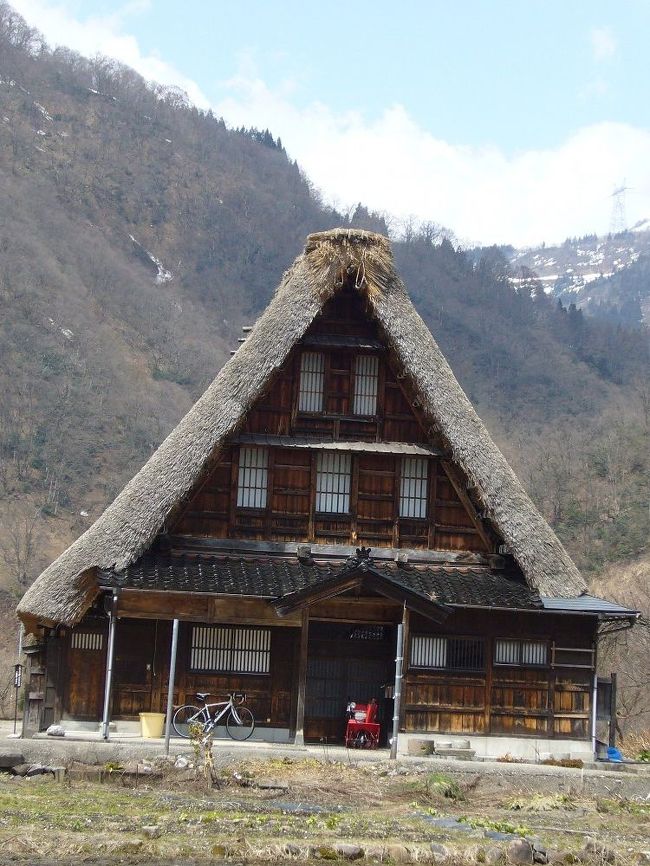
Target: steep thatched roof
[130,524]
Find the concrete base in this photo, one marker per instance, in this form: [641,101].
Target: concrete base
[131,730]
[491,748]
[443,745]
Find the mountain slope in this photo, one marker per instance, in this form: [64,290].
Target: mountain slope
[137,234]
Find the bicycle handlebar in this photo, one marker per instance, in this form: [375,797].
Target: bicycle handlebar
[239,697]
[236,697]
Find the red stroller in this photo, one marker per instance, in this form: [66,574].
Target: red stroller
[362,731]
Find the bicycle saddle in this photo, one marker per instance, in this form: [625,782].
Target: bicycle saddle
[202,695]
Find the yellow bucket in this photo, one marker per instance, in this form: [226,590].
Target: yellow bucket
[152,724]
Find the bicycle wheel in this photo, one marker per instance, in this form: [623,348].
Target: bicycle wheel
[240,723]
[184,717]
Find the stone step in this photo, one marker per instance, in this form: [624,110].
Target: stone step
[460,754]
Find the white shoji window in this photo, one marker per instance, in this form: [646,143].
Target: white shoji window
[253,477]
[428,652]
[366,378]
[520,652]
[87,640]
[413,487]
[312,382]
[333,482]
[234,650]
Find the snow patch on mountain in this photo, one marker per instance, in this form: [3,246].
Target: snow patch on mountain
[162,274]
[580,270]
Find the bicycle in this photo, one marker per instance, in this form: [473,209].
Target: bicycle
[240,722]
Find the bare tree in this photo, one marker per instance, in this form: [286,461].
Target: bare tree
[18,542]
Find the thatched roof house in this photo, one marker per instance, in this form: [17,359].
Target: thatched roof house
[127,528]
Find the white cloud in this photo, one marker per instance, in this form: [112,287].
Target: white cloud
[603,43]
[393,164]
[105,35]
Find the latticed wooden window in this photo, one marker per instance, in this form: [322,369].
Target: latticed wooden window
[87,640]
[252,481]
[520,652]
[447,653]
[333,482]
[230,649]
[312,382]
[366,378]
[413,487]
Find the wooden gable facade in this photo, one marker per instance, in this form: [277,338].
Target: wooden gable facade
[333,510]
[340,387]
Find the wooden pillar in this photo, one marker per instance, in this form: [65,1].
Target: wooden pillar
[299,739]
[487,694]
[612,711]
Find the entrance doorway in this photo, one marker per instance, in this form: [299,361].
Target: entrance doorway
[346,662]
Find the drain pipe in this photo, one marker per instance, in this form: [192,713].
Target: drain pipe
[108,686]
[170,685]
[398,690]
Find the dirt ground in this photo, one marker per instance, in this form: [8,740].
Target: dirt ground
[282,810]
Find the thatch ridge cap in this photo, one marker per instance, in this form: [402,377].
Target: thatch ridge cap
[349,235]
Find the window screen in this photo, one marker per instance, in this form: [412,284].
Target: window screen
[312,379]
[87,640]
[413,487]
[520,652]
[533,652]
[333,482]
[253,477]
[366,377]
[230,649]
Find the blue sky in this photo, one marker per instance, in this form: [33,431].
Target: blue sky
[505,121]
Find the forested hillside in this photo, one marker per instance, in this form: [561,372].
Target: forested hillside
[137,235]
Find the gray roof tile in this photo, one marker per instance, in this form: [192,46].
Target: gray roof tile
[274,577]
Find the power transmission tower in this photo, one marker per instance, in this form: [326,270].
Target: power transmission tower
[618,222]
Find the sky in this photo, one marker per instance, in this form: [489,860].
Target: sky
[506,121]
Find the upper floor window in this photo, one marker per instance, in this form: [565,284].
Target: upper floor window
[253,477]
[366,379]
[312,382]
[413,487]
[333,471]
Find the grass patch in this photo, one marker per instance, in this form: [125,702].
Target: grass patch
[497,826]
[440,785]
[541,803]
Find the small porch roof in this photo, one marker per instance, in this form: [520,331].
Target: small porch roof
[277,578]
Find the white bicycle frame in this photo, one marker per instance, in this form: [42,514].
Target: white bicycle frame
[208,719]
